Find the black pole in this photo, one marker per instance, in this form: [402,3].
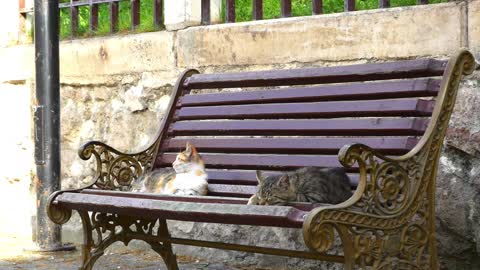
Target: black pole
[47,119]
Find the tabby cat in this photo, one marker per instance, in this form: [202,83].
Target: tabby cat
[308,184]
[187,177]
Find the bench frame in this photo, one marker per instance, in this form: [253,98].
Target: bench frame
[372,233]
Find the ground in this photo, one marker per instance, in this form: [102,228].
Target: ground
[14,257]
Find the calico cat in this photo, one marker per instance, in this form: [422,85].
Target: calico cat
[308,184]
[187,177]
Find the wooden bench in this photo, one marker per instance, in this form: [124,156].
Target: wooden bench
[385,122]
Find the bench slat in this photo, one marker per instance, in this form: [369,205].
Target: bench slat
[338,74]
[354,91]
[248,177]
[277,216]
[375,108]
[241,191]
[255,162]
[305,145]
[320,127]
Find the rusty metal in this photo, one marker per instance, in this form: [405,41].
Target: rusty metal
[205,7]
[388,223]
[230,11]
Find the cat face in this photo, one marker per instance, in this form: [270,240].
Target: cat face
[188,160]
[274,189]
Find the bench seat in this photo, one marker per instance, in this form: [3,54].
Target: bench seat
[383,122]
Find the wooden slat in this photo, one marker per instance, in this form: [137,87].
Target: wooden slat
[305,145]
[349,5]
[352,91]
[257,9]
[248,177]
[422,2]
[256,162]
[193,199]
[277,216]
[403,107]
[231,190]
[158,13]
[383,3]
[317,7]
[230,11]
[113,12]
[135,13]
[205,7]
[93,17]
[286,6]
[338,74]
[320,127]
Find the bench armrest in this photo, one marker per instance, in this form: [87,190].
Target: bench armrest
[380,193]
[114,169]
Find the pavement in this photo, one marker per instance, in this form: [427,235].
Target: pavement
[13,256]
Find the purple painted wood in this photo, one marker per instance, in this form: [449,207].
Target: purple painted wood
[422,2]
[320,127]
[317,7]
[383,3]
[353,91]
[93,17]
[157,13]
[135,13]
[303,145]
[248,177]
[402,107]
[73,18]
[278,216]
[176,198]
[205,12]
[349,5]
[230,11]
[256,161]
[257,9]
[231,190]
[286,6]
[353,73]
[113,12]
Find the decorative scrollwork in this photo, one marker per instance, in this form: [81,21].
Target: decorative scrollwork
[110,228]
[114,169]
[394,200]
[322,236]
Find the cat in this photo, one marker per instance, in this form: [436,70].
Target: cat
[187,177]
[308,184]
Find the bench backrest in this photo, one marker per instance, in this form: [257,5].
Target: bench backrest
[287,119]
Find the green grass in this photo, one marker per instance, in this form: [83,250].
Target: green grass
[243,11]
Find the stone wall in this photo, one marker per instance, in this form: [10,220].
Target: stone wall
[115,89]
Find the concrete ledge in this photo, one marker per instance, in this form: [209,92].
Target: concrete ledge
[17,63]
[117,55]
[474,27]
[382,34]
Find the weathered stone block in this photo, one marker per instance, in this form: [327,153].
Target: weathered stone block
[116,55]
[381,34]
[474,26]
[180,14]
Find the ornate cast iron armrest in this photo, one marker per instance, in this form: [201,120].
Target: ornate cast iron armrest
[381,192]
[114,169]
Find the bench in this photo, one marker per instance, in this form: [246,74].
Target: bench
[384,122]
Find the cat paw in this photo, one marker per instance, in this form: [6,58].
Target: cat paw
[253,200]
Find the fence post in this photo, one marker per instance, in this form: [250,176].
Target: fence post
[180,14]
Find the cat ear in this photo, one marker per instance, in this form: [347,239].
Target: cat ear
[260,176]
[190,150]
[283,182]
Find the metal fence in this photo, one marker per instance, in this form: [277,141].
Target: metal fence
[228,6]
